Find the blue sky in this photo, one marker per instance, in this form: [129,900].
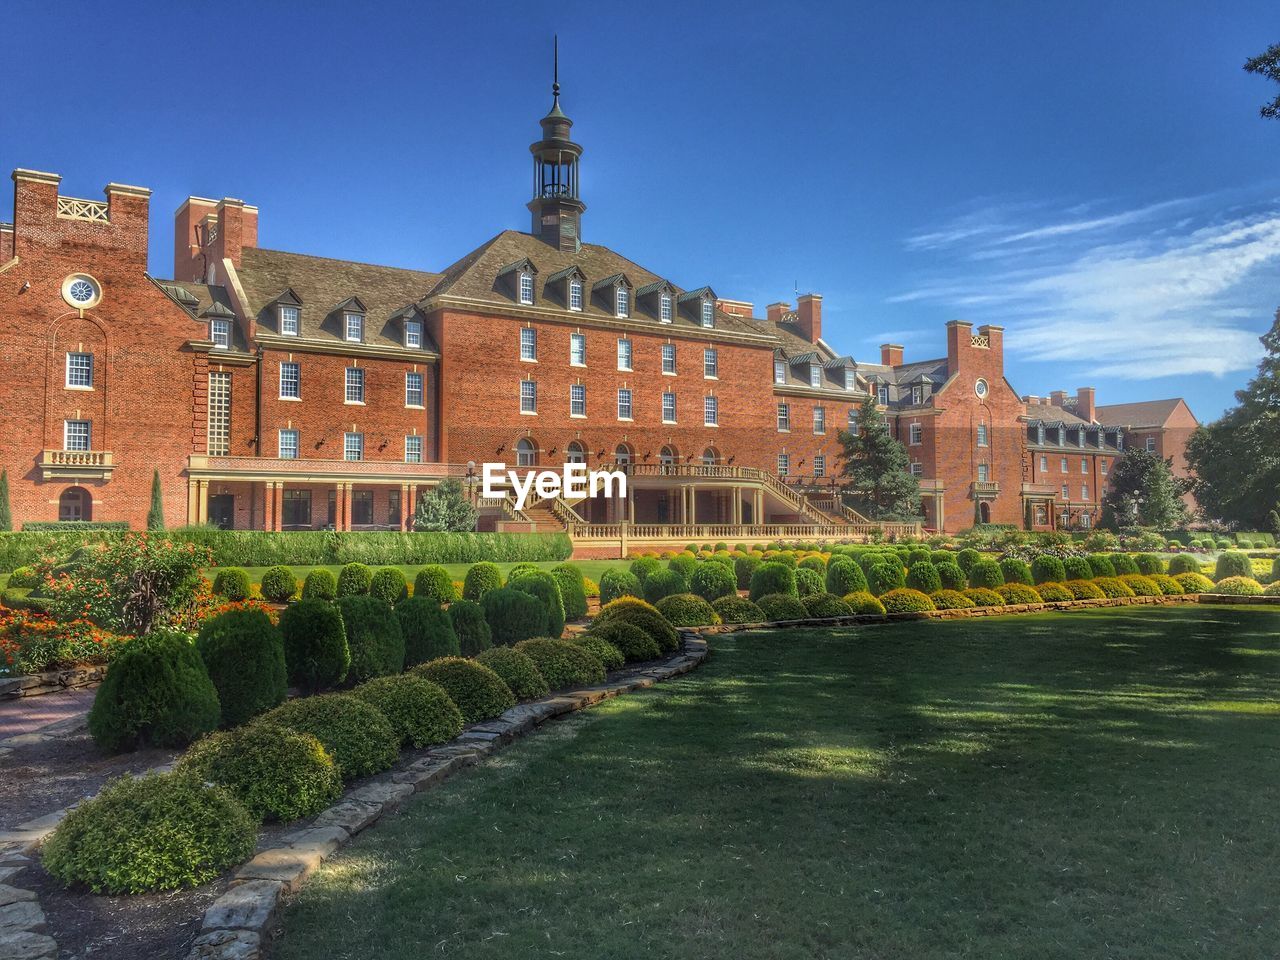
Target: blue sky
[1094,176]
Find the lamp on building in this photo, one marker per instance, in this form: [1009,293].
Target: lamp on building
[471,480]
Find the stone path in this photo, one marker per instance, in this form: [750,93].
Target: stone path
[28,714]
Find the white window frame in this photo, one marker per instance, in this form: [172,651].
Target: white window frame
[577,349]
[79,362]
[1044,463]
[784,464]
[815,375]
[669,359]
[409,390]
[1084,466]
[621,302]
[1150,444]
[917,468]
[1084,491]
[353,322]
[293,382]
[882,394]
[77,435]
[526,453]
[819,421]
[353,386]
[626,354]
[220,334]
[413,448]
[529,397]
[577,400]
[915,434]
[528,345]
[625,399]
[290,320]
[819,465]
[669,407]
[710,363]
[575,295]
[984,473]
[413,334]
[666,308]
[1065,466]
[291,435]
[218,433]
[525,286]
[850,379]
[708,316]
[784,418]
[353,442]
[917,395]
[710,411]
[984,439]
[779,371]
[1102,466]
[1066,492]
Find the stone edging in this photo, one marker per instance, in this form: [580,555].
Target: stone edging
[51,681]
[1225,598]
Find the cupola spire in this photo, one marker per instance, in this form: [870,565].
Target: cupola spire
[556,206]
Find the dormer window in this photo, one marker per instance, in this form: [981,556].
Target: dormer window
[850,379]
[353,324]
[815,375]
[288,321]
[413,334]
[779,371]
[526,287]
[220,334]
[708,313]
[666,308]
[882,394]
[917,395]
[575,294]
[621,301]
[1040,434]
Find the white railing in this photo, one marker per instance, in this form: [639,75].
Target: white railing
[71,208]
[726,531]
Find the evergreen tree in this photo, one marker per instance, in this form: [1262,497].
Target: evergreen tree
[155,516]
[1267,65]
[6,515]
[1143,492]
[878,476]
[445,508]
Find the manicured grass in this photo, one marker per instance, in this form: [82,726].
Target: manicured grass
[1095,784]
[590,568]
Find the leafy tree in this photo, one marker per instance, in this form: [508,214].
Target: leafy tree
[155,516]
[878,476]
[6,515]
[445,508]
[1236,459]
[1144,492]
[1267,65]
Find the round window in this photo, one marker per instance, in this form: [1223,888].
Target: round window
[81,290]
[980,388]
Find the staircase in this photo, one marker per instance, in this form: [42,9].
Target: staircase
[801,503]
[543,517]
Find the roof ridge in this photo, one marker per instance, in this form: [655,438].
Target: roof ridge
[350,263]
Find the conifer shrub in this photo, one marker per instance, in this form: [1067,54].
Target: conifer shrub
[420,712]
[1017,593]
[1054,593]
[665,583]
[736,609]
[434,583]
[320,584]
[844,576]
[520,569]
[1123,564]
[951,576]
[477,690]
[244,656]
[712,581]
[644,567]
[1113,587]
[966,558]
[822,605]
[1015,570]
[687,610]
[316,655]
[1141,586]
[906,600]
[782,606]
[471,627]
[601,649]
[773,577]
[1183,563]
[1275,570]
[918,555]
[358,737]
[480,579]
[1148,563]
[985,575]
[389,585]
[924,576]
[1047,568]
[572,584]
[354,580]
[232,583]
[517,671]
[1077,568]
[743,568]
[618,583]
[374,639]
[1084,590]
[1233,563]
[427,630]
[883,577]
[562,664]
[513,615]
[982,597]
[643,615]
[1194,583]
[1272,589]
[808,582]
[784,557]
[950,600]
[279,584]
[1238,587]
[543,587]
[1169,587]
[635,645]
[683,564]
[1100,565]
[814,563]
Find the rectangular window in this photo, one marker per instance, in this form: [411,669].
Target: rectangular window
[1084,491]
[287,445]
[76,435]
[355,385]
[850,379]
[819,420]
[624,404]
[624,354]
[413,390]
[361,508]
[412,450]
[528,343]
[710,363]
[669,407]
[1103,466]
[528,396]
[917,469]
[668,358]
[289,321]
[575,294]
[882,395]
[1151,444]
[578,349]
[526,288]
[220,334]
[917,395]
[917,433]
[1066,494]
[1064,465]
[353,446]
[710,411]
[296,510]
[708,313]
[1044,464]
[355,327]
[853,420]
[983,440]
[1119,440]
[393,508]
[784,417]
[412,336]
[219,414]
[80,370]
[819,465]
[577,400]
[1084,465]
[784,464]
[664,308]
[779,371]
[290,381]
[815,375]
[984,473]
[622,302]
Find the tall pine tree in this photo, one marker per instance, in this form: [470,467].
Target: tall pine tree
[445,507]
[155,516]
[879,483]
[1142,491]
[6,515]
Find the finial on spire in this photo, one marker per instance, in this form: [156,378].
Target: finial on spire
[555,66]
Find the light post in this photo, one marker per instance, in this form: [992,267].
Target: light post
[471,481]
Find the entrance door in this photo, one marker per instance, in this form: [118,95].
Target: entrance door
[222,510]
[984,512]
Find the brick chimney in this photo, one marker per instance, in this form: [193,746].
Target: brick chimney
[205,232]
[1086,403]
[891,354]
[44,220]
[1031,399]
[959,333]
[776,311]
[809,316]
[735,308]
[1058,398]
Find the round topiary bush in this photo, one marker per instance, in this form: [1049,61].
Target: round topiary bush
[543,587]
[157,832]
[358,737]
[743,568]
[1141,586]
[966,558]
[1112,587]
[1238,587]
[784,557]
[781,606]
[1272,589]
[573,593]
[643,615]
[279,584]
[389,585]
[1100,566]
[480,579]
[562,664]
[664,583]
[514,615]
[982,597]
[861,601]
[642,568]
[809,582]
[924,576]
[951,576]
[918,555]
[479,692]
[1047,568]
[244,656]
[601,649]
[736,609]
[820,606]
[24,578]
[883,577]
[277,773]
[1194,583]
[773,577]
[985,575]
[814,563]
[906,600]
[517,671]
[1054,593]
[950,600]
[1183,563]
[1018,593]
[1275,570]
[634,644]
[427,630]
[711,581]
[1123,564]
[1168,586]
[374,639]
[419,711]
[1148,563]
[471,627]
[320,584]
[156,693]
[844,576]
[434,583]
[1084,590]
[1233,563]
[1015,570]
[316,656]
[1077,568]
[688,610]
[232,583]
[618,583]
[683,564]
[354,580]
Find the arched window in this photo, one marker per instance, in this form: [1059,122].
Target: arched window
[575,452]
[667,456]
[622,455]
[710,457]
[75,504]
[526,453]
[984,512]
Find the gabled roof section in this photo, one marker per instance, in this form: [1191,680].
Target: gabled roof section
[180,293]
[289,298]
[573,270]
[352,304]
[658,286]
[1146,413]
[811,357]
[840,363]
[523,265]
[617,279]
[218,311]
[702,293]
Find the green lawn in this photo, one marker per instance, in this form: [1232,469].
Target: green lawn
[590,568]
[1095,784]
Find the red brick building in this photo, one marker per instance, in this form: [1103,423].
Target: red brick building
[276,390]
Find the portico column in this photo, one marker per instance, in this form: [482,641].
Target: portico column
[736,515]
[268,503]
[346,506]
[693,504]
[193,502]
[202,510]
[758,507]
[279,505]
[406,513]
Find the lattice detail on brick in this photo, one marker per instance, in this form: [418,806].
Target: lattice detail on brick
[980,340]
[72,208]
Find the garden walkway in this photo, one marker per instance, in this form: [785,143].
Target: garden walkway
[28,714]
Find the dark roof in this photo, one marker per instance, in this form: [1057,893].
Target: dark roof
[1145,413]
[203,303]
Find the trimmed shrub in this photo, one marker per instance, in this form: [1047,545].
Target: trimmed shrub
[688,610]
[517,671]
[808,582]
[985,575]
[644,567]
[1054,593]
[480,579]
[1047,568]
[845,576]
[862,602]
[513,615]
[1275,570]
[374,639]
[157,693]
[1017,593]
[471,627]
[1236,587]
[918,555]
[782,606]
[619,583]
[1149,563]
[712,581]
[232,583]
[1141,586]
[358,737]
[520,569]
[157,832]
[665,583]
[950,600]
[643,615]
[982,597]
[427,630]
[389,585]
[434,583]
[562,664]
[573,593]
[419,711]
[1233,563]
[905,600]
[1112,587]
[743,568]
[822,605]
[736,609]
[966,558]
[542,586]
[682,564]
[1167,585]
[1272,589]
[244,656]
[1015,571]
[354,580]
[1183,563]
[320,585]
[883,577]
[1194,583]
[601,649]
[316,655]
[1100,565]
[1084,590]
[814,563]
[1077,568]
[24,578]
[951,576]
[773,577]
[784,557]
[924,576]
[1123,564]
[278,584]
[277,773]
[479,692]
[634,643]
